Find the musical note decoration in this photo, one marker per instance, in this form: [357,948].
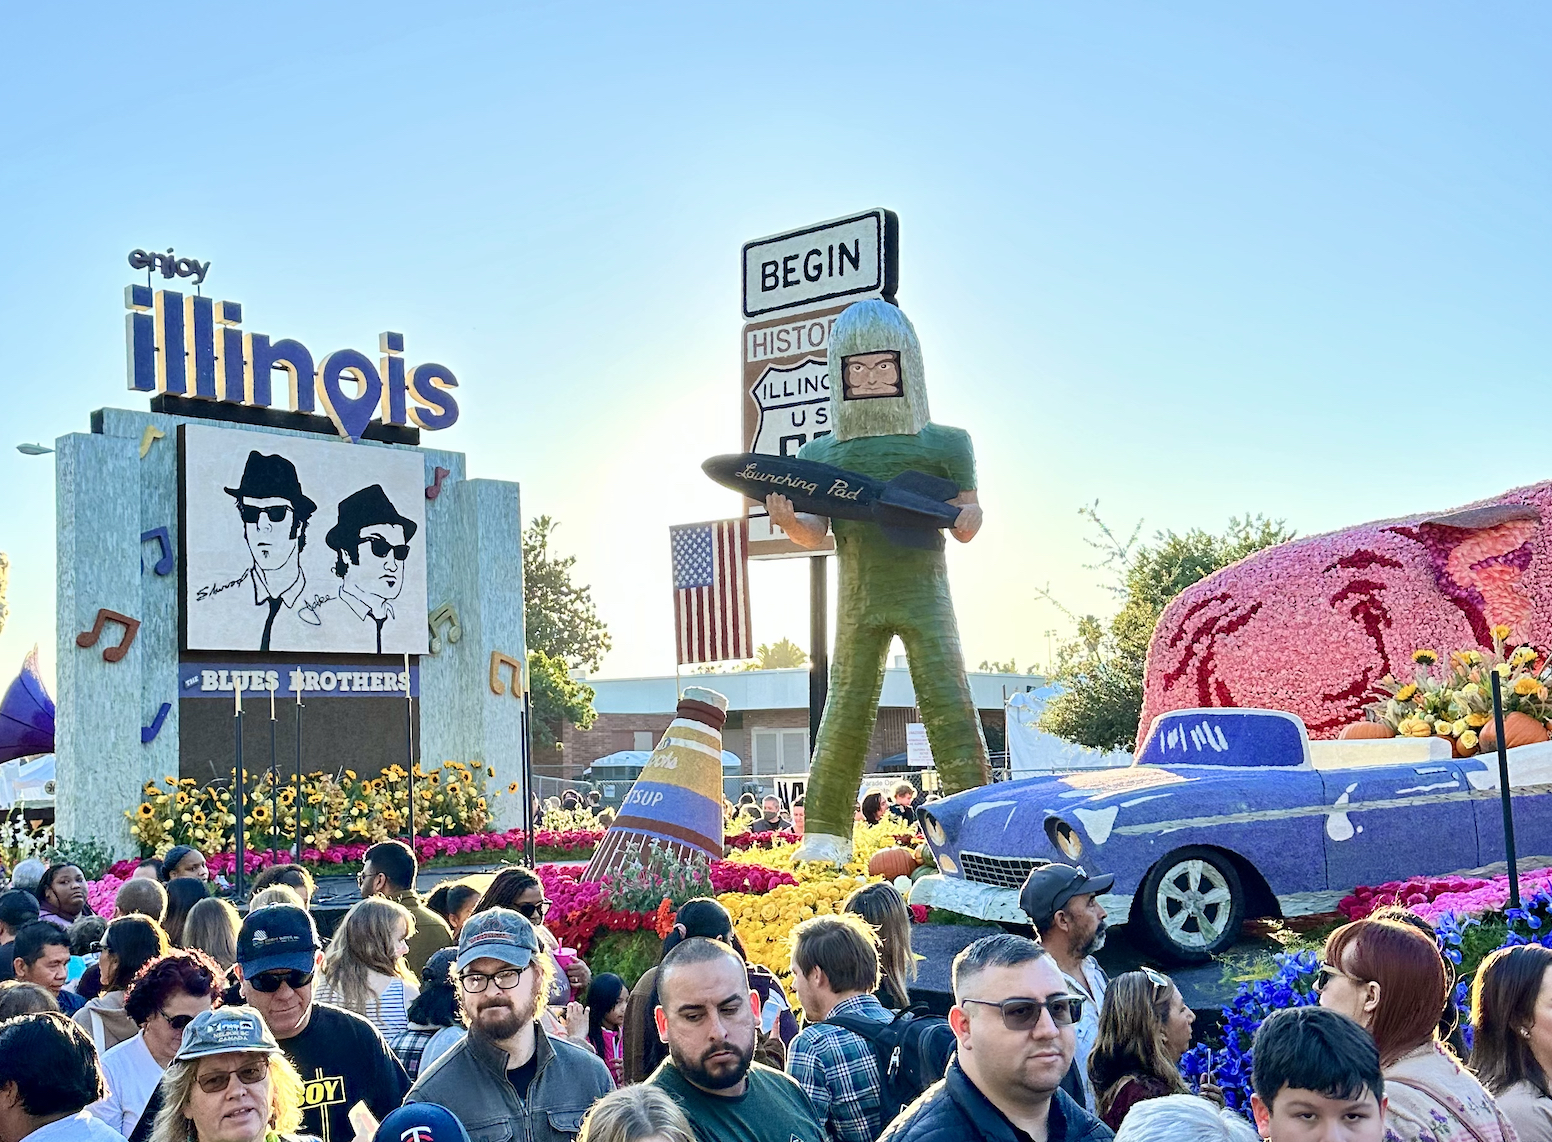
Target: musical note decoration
[149,437]
[148,733]
[88,638]
[434,489]
[497,687]
[164,563]
[445,613]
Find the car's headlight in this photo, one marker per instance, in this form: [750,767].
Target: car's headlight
[1064,837]
[934,831]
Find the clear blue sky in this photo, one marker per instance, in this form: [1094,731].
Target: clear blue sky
[1191,260]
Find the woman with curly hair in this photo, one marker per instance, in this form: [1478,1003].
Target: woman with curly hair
[1144,1029]
[364,969]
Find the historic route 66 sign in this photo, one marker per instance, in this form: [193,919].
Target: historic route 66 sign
[794,406]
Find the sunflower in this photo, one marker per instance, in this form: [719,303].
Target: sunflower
[1501,632]
[145,812]
[1425,657]
[1407,692]
[512,788]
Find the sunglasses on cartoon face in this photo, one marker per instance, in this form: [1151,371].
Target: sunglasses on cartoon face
[381,547]
[276,512]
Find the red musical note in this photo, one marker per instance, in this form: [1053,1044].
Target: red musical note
[88,638]
[434,489]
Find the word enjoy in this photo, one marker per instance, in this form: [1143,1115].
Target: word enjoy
[170,266]
[194,347]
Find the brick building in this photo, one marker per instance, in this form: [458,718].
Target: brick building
[767,724]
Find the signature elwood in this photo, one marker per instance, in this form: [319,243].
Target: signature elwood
[308,611]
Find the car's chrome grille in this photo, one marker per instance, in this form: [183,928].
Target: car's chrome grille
[999,872]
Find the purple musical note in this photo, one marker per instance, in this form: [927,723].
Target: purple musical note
[434,489]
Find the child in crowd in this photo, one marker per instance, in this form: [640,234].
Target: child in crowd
[1316,1075]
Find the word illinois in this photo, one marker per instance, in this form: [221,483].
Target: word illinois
[195,347]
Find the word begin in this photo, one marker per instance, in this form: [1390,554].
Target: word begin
[813,266]
[194,347]
[169,265]
[349,681]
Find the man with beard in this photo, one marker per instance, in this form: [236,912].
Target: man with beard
[1012,1017]
[707,1015]
[1063,904]
[507,1070]
[341,1057]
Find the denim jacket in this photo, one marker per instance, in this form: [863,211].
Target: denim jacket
[471,1081]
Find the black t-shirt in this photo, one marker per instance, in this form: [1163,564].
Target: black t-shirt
[522,1077]
[343,1060]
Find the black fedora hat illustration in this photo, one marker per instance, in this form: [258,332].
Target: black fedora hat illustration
[369,506]
[272,477]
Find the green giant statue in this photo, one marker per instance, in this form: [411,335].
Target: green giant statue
[878,411]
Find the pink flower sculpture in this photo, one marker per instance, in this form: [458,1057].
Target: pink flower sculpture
[1311,625]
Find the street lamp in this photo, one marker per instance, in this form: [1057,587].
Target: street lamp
[33,450]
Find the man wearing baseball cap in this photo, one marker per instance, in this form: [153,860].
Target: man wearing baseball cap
[507,1070]
[1063,904]
[341,1057]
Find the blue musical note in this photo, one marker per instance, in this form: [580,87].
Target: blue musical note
[148,733]
[164,564]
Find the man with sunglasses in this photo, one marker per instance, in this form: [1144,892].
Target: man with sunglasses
[389,869]
[507,1078]
[274,515]
[371,544]
[1063,904]
[1013,1017]
[341,1057]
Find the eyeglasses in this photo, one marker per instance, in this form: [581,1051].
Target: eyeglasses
[475,982]
[1024,1014]
[270,981]
[534,910]
[249,1075]
[177,1022]
[381,547]
[276,512]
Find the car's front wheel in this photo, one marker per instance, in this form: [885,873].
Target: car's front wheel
[1191,904]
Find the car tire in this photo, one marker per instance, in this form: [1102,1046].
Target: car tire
[1191,904]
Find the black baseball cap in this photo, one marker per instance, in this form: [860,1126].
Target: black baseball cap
[280,937]
[1051,886]
[17,907]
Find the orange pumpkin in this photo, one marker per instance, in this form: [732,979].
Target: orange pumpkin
[1519,729]
[892,862]
[1367,730]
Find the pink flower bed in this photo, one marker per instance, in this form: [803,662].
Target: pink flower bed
[1309,626]
[1436,896]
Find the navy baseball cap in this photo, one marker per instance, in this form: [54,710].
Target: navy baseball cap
[421,1122]
[1051,886]
[499,934]
[281,936]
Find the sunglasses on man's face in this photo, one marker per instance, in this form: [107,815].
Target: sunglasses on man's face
[1024,1014]
[270,981]
[218,1081]
[381,547]
[276,512]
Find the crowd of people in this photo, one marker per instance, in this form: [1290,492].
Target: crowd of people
[461,1017]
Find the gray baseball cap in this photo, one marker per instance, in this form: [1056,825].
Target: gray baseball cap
[1051,886]
[498,934]
[223,1031]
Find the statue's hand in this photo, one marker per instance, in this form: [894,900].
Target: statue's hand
[968,523]
[803,529]
[783,514]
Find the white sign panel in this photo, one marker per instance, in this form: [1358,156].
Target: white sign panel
[297,545]
[917,751]
[844,258]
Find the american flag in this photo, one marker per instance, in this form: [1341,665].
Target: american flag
[711,590]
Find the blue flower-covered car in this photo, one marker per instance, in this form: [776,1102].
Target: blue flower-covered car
[1230,814]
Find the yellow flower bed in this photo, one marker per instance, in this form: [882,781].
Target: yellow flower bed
[865,841]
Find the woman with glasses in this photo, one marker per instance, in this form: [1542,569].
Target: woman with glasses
[1391,979]
[162,1001]
[519,889]
[229,1083]
[128,944]
[364,969]
[1144,1029]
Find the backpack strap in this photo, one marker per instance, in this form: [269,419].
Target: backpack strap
[870,1029]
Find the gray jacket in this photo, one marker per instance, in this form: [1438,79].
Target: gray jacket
[471,1081]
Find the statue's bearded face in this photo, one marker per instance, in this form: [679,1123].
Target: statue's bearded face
[869,376]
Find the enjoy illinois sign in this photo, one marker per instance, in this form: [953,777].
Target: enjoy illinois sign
[194,347]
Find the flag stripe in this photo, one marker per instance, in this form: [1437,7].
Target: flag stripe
[711,591]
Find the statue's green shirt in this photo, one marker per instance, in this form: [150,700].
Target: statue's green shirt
[936,450]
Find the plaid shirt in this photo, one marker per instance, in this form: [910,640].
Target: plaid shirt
[838,1071]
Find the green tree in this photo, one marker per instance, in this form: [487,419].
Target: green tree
[778,656]
[564,633]
[1101,670]
[992,666]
